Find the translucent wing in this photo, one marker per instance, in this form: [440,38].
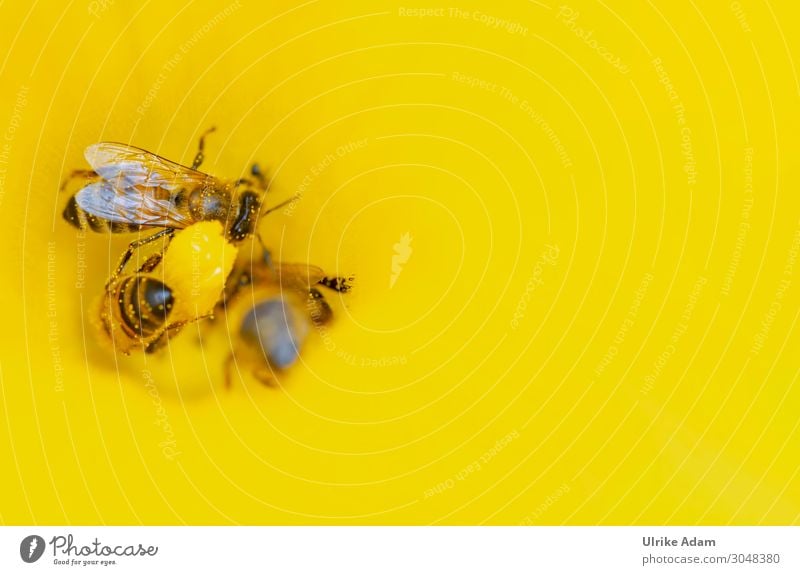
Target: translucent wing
[301,278]
[292,276]
[296,276]
[128,166]
[130,206]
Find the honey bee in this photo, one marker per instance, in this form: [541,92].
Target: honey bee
[131,190]
[144,309]
[270,325]
[135,312]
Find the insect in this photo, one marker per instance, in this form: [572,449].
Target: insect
[131,190]
[270,324]
[136,312]
[144,309]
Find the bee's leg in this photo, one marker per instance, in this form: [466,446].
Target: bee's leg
[264,375]
[199,157]
[229,361]
[132,247]
[87,174]
[172,330]
[180,324]
[157,343]
[259,175]
[338,283]
[163,337]
[150,263]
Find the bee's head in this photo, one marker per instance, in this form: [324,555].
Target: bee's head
[246,218]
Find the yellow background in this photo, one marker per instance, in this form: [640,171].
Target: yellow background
[596,322]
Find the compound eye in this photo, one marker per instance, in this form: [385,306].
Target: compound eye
[158,296]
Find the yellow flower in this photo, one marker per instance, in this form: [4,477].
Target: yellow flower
[574,232]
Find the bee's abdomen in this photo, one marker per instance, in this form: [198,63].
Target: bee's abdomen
[80,219]
[274,327]
[83,220]
[144,304]
[318,309]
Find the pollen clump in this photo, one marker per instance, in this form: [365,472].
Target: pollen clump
[195,266]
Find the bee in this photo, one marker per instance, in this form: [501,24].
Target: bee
[283,302]
[135,312]
[131,190]
[144,309]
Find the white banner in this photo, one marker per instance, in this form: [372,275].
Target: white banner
[400,550]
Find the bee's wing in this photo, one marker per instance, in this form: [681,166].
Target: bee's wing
[127,166]
[296,276]
[130,206]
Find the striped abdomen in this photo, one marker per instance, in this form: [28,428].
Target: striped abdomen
[83,220]
[144,305]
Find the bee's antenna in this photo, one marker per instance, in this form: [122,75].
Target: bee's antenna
[255,170]
[198,159]
[283,203]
